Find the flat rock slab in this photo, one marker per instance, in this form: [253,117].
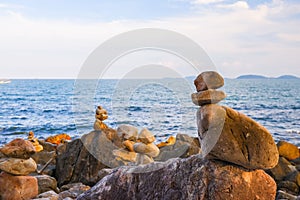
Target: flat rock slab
[210,96]
[228,135]
[191,178]
[208,80]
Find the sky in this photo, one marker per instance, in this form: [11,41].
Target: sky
[53,38]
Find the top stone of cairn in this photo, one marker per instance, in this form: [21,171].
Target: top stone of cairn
[208,80]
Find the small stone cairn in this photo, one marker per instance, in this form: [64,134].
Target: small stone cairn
[101,115]
[146,150]
[16,163]
[226,134]
[35,142]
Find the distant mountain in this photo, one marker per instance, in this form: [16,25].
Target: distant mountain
[288,77]
[251,77]
[264,77]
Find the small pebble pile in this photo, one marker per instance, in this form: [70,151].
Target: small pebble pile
[16,163]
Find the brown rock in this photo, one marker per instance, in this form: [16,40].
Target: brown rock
[125,156]
[185,146]
[74,163]
[18,166]
[145,136]
[288,186]
[228,135]
[50,195]
[210,96]
[170,141]
[282,195]
[46,183]
[17,187]
[191,178]
[72,190]
[99,125]
[208,80]
[287,150]
[281,170]
[18,148]
[149,149]
[127,132]
[82,159]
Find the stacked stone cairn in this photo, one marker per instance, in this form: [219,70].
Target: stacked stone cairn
[15,164]
[35,142]
[101,115]
[226,134]
[128,135]
[145,148]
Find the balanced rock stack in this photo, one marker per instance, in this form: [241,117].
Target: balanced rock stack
[101,115]
[228,135]
[15,164]
[146,149]
[35,142]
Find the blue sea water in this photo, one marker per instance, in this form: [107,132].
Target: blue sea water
[49,107]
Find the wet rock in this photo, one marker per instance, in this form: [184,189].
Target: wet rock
[191,178]
[46,183]
[288,150]
[18,148]
[281,170]
[49,195]
[228,135]
[208,80]
[18,166]
[208,97]
[17,187]
[127,132]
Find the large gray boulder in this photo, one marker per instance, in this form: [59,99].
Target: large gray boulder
[191,178]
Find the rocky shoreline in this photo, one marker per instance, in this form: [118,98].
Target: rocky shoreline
[233,157]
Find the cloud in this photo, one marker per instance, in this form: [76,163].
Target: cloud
[236,5]
[206,1]
[239,41]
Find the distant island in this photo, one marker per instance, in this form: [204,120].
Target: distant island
[264,77]
[252,76]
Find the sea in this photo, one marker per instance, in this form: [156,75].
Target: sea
[164,106]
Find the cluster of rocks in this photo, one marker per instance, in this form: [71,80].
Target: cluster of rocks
[235,151]
[15,164]
[233,158]
[287,172]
